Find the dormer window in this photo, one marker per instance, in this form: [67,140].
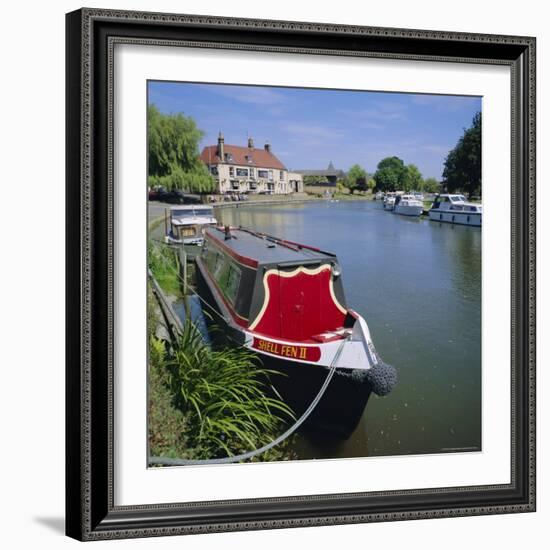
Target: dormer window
[228,157]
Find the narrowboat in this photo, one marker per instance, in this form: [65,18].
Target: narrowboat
[285,302]
[185,224]
[454,209]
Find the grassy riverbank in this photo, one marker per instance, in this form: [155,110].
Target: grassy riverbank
[164,265]
[207,402]
[338,193]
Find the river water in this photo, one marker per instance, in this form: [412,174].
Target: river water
[418,285]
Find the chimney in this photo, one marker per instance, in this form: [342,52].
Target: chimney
[267,147]
[220,147]
[250,143]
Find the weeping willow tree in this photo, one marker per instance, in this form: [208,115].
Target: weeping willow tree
[173,153]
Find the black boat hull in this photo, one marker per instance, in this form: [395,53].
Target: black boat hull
[338,412]
[341,406]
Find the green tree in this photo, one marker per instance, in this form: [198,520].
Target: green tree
[413,180]
[431,185]
[356,179]
[174,153]
[390,174]
[313,180]
[462,169]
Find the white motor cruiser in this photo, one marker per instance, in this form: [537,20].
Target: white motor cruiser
[186,224]
[450,208]
[389,201]
[408,205]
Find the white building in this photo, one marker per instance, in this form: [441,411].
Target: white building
[249,170]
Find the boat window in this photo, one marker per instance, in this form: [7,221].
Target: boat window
[232,283]
[181,213]
[210,257]
[203,212]
[218,267]
[228,276]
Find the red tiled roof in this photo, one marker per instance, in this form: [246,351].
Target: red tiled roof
[260,157]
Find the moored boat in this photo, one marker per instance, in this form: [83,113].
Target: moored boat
[185,224]
[389,201]
[285,301]
[450,208]
[407,205]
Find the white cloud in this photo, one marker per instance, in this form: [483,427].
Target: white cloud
[376,116]
[247,94]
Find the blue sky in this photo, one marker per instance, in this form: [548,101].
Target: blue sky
[307,128]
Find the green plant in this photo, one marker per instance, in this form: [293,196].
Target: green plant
[356,179]
[167,425]
[224,396]
[431,185]
[164,265]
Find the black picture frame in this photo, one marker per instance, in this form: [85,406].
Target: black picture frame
[90,510]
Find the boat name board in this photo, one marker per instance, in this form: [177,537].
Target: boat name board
[303,353]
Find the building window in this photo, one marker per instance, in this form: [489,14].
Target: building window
[242,172]
[271,175]
[281,175]
[231,171]
[262,174]
[214,170]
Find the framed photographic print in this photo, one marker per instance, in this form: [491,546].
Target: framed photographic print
[300,274]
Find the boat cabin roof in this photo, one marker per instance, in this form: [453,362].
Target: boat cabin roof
[457,197]
[182,214]
[191,207]
[265,249]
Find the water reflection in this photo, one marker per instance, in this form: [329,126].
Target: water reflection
[418,284]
